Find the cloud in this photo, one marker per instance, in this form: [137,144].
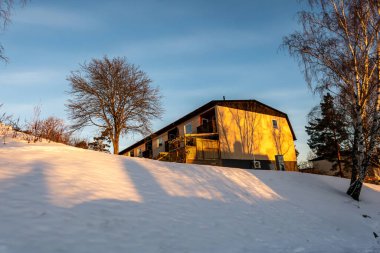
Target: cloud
[54,18]
[29,78]
[50,106]
[199,43]
[285,93]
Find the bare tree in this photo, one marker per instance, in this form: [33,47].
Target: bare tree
[6,7]
[339,51]
[51,128]
[35,124]
[4,117]
[113,95]
[54,129]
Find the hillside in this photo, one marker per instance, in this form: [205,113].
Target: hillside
[56,198]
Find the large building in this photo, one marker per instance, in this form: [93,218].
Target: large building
[232,133]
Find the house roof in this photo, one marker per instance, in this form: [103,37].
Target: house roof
[252,105]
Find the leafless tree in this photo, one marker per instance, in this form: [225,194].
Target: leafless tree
[4,117]
[6,7]
[51,128]
[113,95]
[54,129]
[35,124]
[339,52]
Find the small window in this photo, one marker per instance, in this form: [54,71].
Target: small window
[131,153]
[188,129]
[275,124]
[139,152]
[159,142]
[204,122]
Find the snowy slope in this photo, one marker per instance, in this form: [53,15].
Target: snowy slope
[55,198]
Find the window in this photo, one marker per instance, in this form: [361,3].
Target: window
[159,142]
[131,153]
[139,152]
[204,122]
[275,124]
[188,129]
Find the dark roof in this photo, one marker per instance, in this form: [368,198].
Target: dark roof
[239,104]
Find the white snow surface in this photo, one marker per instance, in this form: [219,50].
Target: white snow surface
[56,198]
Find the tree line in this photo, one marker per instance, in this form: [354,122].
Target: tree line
[53,129]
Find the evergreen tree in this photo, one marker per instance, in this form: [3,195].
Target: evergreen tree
[328,132]
[101,143]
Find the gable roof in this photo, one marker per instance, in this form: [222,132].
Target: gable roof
[251,105]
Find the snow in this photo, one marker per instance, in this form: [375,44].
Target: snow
[56,198]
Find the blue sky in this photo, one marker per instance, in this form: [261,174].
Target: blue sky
[195,51]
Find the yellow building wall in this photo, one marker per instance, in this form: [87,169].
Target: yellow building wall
[156,149]
[245,135]
[135,150]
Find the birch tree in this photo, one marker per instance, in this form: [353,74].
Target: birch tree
[338,50]
[114,96]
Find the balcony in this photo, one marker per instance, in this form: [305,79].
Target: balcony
[207,127]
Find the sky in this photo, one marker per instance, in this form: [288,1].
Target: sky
[194,51]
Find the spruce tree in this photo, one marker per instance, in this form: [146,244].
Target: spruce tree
[327,130]
[101,143]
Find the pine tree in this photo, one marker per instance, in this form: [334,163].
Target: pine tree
[101,143]
[328,132]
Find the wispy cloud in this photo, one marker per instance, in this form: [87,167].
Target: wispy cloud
[276,93]
[199,43]
[50,106]
[54,18]
[29,77]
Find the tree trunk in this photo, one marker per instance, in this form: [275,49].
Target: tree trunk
[354,169]
[115,147]
[339,163]
[355,189]
[354,158]
[358,156]
[354,175]
[361,157]
[356,186]
[115,143]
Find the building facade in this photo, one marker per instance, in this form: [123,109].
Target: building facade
[232,133]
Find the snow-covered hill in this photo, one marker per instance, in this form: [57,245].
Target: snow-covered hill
[55,198]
